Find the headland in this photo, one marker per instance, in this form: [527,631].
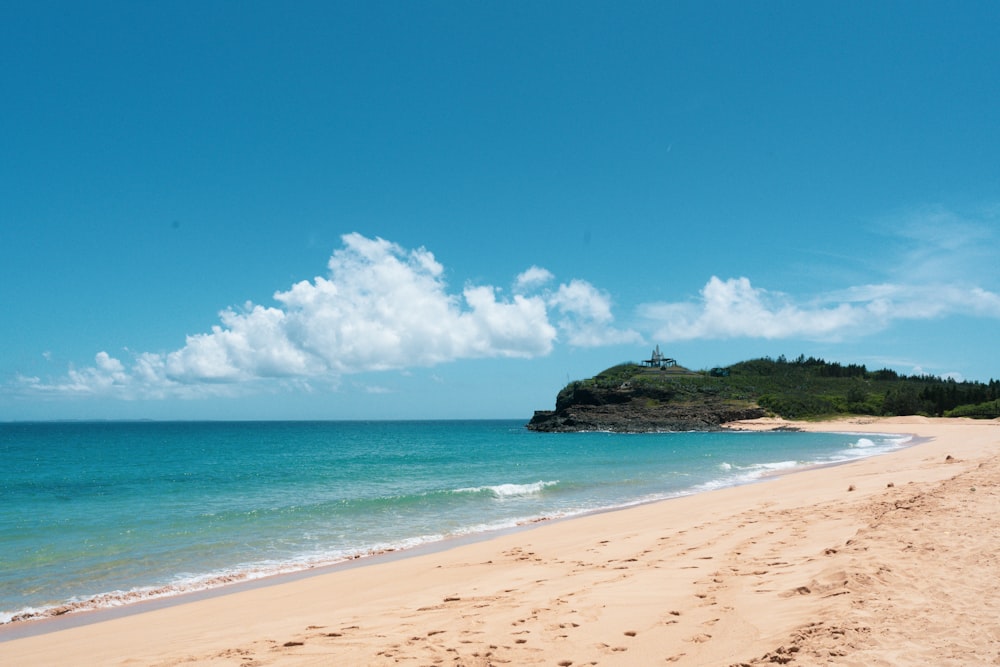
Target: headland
[658,394]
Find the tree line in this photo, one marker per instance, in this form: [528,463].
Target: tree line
[809,385]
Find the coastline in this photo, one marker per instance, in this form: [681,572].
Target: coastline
[795,566]
[734,459]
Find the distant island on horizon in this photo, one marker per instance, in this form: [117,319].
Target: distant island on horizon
[659,394]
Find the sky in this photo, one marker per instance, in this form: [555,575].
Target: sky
[441,210]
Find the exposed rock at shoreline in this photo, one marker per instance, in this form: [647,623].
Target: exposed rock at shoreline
[638,410]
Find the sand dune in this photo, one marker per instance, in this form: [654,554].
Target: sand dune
[884,561]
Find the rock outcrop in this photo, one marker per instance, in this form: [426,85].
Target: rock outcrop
[639,410]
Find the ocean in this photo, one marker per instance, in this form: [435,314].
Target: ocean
[101,514]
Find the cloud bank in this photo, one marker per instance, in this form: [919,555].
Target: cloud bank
[734,308]
[934,262]
[380,307]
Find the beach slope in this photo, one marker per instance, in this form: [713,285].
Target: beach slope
[890,560]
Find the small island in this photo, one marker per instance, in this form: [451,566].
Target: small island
[659,394]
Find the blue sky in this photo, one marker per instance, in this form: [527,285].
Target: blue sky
[229,210]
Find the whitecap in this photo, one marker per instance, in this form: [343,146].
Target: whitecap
[510,490]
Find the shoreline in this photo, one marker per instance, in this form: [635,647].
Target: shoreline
[116,604]
[745,568]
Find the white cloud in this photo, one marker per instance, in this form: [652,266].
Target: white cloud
[380,307]
[533,277]
[735,309]
[586,316]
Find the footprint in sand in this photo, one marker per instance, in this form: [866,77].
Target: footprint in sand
[613,649]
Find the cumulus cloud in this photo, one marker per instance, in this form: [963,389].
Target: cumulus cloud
[582,312]
[380,307]
[585,316]
[533,277]
[734,308]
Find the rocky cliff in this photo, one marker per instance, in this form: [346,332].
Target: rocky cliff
[626,407]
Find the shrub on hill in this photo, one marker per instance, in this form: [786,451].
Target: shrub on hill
[988,410]
[802,388]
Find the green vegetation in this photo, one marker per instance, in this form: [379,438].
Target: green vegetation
[804,388]
[987,410]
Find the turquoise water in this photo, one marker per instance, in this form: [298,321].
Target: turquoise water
[99,514]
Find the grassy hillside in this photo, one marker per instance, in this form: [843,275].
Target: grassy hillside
[805,388]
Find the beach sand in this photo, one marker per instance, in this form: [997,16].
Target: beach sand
[891,560]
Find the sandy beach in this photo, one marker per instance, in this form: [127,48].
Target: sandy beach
[890,560]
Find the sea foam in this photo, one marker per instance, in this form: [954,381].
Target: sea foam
[509,490]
